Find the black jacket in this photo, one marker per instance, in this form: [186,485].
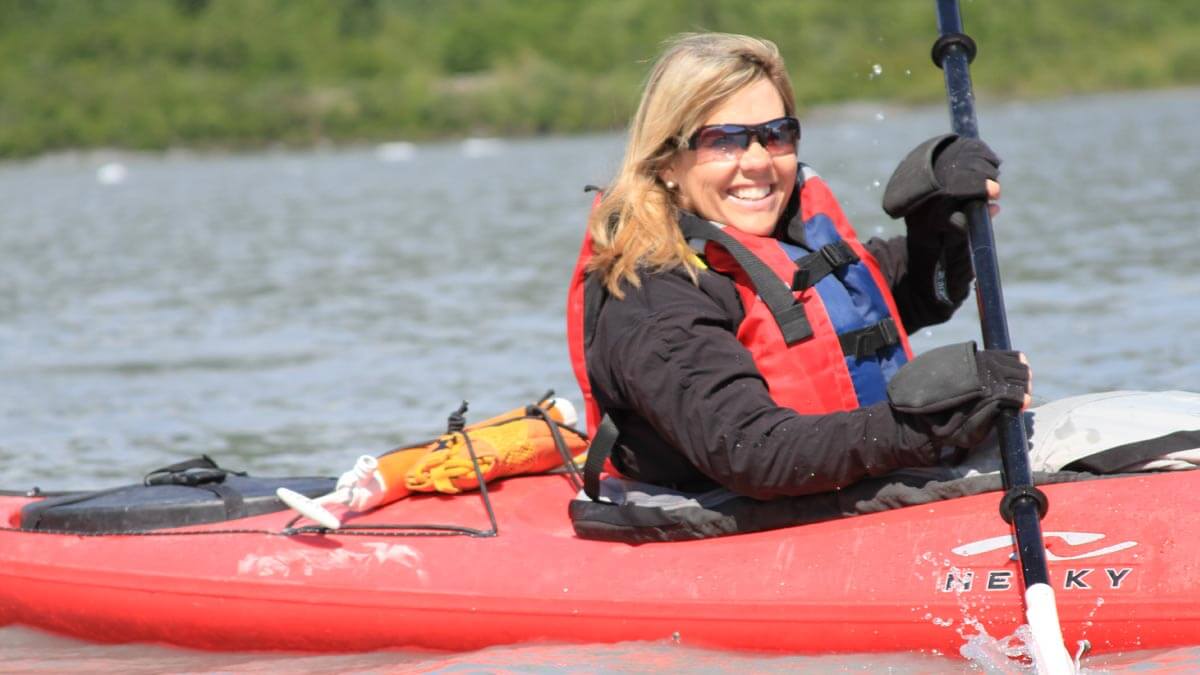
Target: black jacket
[694,412]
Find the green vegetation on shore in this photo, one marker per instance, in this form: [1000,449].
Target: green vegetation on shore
[150,74]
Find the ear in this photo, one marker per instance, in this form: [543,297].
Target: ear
[667,175]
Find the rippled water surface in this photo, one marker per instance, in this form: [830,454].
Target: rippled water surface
[284,312]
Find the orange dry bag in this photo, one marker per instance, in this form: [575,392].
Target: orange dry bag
[519,441]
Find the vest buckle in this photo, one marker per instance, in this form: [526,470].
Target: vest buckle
[820,263]
[867,341]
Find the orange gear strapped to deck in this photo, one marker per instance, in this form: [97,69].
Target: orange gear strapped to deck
[509,444]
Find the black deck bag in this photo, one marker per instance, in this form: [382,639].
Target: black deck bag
[192,492]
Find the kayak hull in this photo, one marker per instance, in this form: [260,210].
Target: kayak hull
[1124,562]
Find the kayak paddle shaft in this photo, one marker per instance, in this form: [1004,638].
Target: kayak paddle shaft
[1023,504]
[952,53]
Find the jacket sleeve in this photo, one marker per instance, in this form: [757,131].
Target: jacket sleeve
[668,353]
[929,277]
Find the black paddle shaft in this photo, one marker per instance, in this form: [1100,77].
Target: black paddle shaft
[1023,505]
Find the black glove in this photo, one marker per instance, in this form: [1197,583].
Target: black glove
[930,185]
[954,393]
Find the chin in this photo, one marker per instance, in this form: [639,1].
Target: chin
[757,225]
[758,219]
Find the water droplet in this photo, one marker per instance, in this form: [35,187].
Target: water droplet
[876,71]
[879,117]
[875,183]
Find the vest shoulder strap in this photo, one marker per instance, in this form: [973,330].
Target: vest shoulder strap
[788,313]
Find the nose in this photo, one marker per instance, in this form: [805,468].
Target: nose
[755,156]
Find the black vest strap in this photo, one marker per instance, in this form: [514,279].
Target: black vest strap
[600,449]
[821,263]
[866,341]
[788,313]
[1113,460]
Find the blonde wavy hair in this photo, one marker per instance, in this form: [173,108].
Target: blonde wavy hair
[635,225]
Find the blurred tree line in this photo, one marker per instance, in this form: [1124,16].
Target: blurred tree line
[149,74]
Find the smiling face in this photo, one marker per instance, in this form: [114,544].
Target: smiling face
[747,192]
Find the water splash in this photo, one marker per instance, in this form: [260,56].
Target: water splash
[1004,655]
[1010,654]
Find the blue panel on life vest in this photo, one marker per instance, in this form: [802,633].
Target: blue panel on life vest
[853,301]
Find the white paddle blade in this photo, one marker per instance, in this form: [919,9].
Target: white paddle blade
[310,508]
[1050,655]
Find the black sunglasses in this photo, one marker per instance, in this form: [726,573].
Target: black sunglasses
[729,141]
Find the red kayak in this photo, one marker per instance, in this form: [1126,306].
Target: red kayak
[1123,560]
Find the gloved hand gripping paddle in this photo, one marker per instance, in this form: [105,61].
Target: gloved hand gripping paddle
[931,185]
[955,393]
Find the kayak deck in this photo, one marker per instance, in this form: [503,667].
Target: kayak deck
[1123,561]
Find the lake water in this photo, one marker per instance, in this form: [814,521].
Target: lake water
[284,312]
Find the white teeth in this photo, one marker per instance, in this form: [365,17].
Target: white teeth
[751,192]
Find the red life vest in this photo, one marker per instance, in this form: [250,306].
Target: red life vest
[575,324]
[821,323]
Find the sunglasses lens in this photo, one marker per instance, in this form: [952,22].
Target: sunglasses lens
[724,142]
[780,136]
[727,142]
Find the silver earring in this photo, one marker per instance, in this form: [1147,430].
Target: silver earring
[670,185]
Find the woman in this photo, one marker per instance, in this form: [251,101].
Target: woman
[728,322]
